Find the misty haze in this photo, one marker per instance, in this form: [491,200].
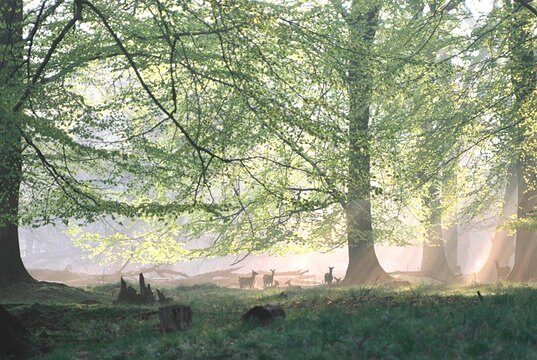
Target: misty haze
[268,179]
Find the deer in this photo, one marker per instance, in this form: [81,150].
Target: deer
[247,281]
[276,284]
[338,280]
[268,280]
[291,286]
[502,271]
[328,277]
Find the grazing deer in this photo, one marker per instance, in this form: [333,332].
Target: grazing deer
[502,271]
[268,280]
[328,277]
[338,280]
[247,281]
[291,286]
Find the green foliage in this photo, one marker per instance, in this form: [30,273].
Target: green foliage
[235,120]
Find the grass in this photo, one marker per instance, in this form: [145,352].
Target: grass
[321,323]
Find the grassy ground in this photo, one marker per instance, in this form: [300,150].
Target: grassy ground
[321,323]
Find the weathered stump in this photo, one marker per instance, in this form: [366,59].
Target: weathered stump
[127,294]
[12,335]
[146,295]
[175,317]
[162,298]
[264,314]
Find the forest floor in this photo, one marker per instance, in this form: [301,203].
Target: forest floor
[321,323]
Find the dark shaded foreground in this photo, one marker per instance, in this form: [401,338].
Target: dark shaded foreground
[368,322]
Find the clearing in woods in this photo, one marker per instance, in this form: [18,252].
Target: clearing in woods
[430,321]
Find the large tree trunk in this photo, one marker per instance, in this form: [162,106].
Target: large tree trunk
[523,78]
[434,261]
[525,267]
[12,269]
[363,266]
[503,244]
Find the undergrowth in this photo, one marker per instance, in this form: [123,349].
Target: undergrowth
[321,323]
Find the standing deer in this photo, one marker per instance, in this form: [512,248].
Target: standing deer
[247,281]
[276,284]
[502,271]
[328,277]
[338,280]
[268,280]
[288,283]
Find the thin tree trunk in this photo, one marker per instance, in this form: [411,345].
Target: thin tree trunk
[12,269]
[363,266]
[451,234]
[523,78]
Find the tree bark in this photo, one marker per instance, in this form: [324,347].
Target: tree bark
[12,269]
[503,244]
[175,318]
[434,261]
[363,266]
[523,78]
[451,234]
[13,337]
[525,267]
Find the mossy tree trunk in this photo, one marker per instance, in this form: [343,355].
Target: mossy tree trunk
[434,261]
[523,78]
[12,269]
[363,266]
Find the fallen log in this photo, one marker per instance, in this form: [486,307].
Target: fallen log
[175,318]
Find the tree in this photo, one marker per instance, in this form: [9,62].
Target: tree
[267,126]
[48,132]
[11,46]
[308,105]
[523,78]
[363,264]
[503,243]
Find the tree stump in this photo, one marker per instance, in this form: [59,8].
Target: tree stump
[127,295]
[175,317]
[12,335]
[146,295]
[264,314]
[162,298]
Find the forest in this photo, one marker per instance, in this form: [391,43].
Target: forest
[316,179]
